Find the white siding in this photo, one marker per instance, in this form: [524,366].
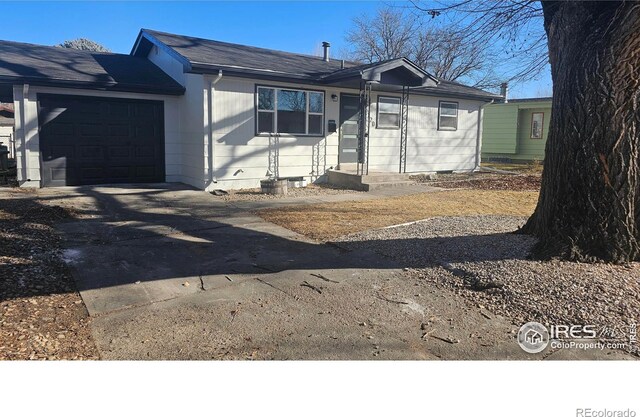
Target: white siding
[190,152]
[192,131]
[241,158]
[430,149]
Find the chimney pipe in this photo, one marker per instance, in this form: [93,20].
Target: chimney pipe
[504,91]
[326,46]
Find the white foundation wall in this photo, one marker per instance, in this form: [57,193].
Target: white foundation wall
[241,158]
[28,141]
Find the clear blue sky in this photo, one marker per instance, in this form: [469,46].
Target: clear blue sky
[285,25]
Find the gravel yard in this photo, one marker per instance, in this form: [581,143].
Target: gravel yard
[478,257]
[42,315]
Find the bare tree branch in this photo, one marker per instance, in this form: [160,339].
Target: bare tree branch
[446,52]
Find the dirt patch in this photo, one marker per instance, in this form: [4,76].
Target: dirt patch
[331,220]
[42,314]
[503,182]
[533,167]
[311,190]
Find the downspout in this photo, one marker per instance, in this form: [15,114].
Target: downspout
[212,159]
[23,138]
[479,135]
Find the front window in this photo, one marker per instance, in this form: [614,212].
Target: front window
[448,115]
[283,110]
[388,112]
[536,125]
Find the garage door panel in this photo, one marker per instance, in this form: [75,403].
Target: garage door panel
[90,173]
[119,152]
[63,129]
[91,152]
[119,110]
[88,108]
[58,154]
[120,173]
[58,174]
[122,130]
[144,171]
[89,140]
[91,130]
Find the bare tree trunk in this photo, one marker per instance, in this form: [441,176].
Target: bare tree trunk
[589,206]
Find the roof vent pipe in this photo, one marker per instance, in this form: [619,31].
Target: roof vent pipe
[504,91]
[326,46]
[342,64]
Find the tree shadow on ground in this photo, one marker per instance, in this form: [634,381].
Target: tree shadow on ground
[138,235]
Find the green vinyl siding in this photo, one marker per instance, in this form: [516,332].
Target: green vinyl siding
[506,131]
[500,127]
[532,149]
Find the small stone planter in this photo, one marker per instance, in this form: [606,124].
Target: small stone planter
[276,187]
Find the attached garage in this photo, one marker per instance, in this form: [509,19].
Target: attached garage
[96,140]
[87,118]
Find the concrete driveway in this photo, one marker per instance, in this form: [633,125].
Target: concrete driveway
[135,246]
[168,272]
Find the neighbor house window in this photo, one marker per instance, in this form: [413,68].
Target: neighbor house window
[448,115]
[284,110]
[536,125]
[388,112]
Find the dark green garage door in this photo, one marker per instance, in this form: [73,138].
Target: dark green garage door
[92,140]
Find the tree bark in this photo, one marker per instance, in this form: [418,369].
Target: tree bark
[589,207]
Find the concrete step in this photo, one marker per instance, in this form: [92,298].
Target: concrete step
[384,177]
[368,182]
[378,185]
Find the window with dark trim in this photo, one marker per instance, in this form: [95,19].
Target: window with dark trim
[448,115]
[388,112]
[287,110]
[537,121]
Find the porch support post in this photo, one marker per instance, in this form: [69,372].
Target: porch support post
[404,122]
[363,128]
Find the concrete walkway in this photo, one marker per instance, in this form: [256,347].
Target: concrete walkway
[334,198]
[168,272]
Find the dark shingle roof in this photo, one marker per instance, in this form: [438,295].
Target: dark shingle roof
[204,55]
[456,90]
[204,52]
[47,65]
[528,100]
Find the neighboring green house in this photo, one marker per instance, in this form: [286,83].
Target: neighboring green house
[516,131]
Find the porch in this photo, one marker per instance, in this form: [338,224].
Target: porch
[390,82]
[367,182]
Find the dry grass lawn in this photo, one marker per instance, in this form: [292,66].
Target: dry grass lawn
[328,221]
[533,167]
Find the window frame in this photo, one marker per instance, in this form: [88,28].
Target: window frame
[389,127]
[308,111]
[440,115]
[541,126]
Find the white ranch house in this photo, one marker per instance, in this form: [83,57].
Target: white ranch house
[223,116]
